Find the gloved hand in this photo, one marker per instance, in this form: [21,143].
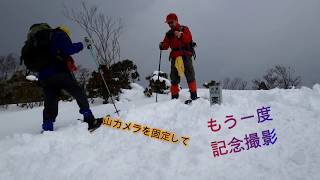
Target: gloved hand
[178,34]
[160,45]
[170,34]
[87,42]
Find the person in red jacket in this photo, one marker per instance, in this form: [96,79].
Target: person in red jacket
[179,38]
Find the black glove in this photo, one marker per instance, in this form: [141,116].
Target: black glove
[170,34]
[160,45]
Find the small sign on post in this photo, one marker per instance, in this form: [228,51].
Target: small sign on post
[215,89]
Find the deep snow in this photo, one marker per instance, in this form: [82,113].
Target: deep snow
[72,153]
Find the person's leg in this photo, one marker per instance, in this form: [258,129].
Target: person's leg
[190,76]
[175,80]
[69,83]
[50,111]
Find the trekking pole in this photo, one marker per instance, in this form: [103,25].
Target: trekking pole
[158,75]
[101,74]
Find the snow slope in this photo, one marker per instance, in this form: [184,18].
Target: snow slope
[72,153]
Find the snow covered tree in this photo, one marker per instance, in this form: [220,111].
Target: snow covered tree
[160,86]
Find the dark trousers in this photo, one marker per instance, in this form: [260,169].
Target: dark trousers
[188,71]
[52,87]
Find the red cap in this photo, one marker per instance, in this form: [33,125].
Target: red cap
[171,17]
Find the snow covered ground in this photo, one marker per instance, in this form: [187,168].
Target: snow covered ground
[72,153]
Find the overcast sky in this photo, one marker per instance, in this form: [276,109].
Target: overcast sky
[236,38]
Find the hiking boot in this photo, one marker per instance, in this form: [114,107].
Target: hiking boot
[94,124]
[88,117]
[175,96]
[193,95]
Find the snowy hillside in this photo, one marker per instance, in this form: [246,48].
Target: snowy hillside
[72,153]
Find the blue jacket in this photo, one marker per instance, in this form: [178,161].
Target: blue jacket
[61,45]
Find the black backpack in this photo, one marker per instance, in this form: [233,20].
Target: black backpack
[36,53]
[192,44]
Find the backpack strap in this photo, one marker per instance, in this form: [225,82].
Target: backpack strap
[181,28]
[192,45]
[170,33]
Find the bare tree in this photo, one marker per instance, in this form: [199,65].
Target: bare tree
[279,76]
[103,30]
[256,83]
[234,84]
[226,83]
[82,75]
[8,66]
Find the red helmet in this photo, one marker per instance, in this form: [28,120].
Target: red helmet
[171,17]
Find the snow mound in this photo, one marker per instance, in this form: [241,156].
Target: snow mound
[155,77]
[72,153]
[31,78]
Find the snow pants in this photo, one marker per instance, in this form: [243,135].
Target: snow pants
[52,87]
[189,73]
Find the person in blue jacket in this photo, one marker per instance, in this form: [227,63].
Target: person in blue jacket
[58,75]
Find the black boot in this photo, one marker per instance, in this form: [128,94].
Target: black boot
[175,96]
[88,117]
[94,124]
[193,95]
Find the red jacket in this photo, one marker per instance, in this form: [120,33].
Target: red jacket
[177,44]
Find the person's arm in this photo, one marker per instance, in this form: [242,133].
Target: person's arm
[165,43]
[65,45]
